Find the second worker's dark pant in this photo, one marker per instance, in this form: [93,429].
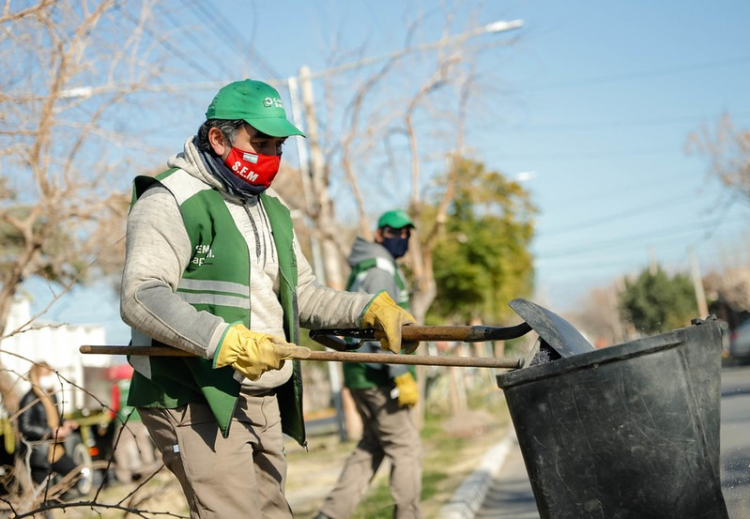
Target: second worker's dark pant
[388,431]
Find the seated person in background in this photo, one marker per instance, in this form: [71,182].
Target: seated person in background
[41,426]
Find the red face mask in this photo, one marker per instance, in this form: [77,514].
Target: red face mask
[254,168]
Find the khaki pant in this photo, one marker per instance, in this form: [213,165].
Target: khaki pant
[388,431]
[134,452]
[242,475]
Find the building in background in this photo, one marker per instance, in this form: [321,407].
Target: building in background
[85,381]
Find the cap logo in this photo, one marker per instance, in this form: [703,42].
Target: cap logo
[269,102]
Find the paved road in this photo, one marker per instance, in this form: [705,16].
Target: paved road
[510,496]
[735,440]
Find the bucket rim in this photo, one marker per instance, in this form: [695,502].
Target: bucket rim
[594,359]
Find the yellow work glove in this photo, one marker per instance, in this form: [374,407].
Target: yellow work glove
[384,314]
[408,391]
[252,353]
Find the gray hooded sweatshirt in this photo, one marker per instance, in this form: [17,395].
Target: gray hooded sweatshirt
[158,250]
[380,277]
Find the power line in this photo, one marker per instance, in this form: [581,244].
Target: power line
[641,75]
[207,17]
[630,212]
[589,266]
[225,28]
[628,240]
[180,27]
[618,191]
[718,221]
[603,125]
[613,258]
[161,41]
[587,156]
[622,262]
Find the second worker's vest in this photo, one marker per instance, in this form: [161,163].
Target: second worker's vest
[358,375]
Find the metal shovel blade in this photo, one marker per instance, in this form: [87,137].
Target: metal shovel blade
[558,333]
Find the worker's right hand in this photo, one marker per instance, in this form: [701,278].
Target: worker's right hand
[384,314]
[252,353]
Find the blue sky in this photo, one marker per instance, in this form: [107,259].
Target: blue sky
[592,106]
[607,95]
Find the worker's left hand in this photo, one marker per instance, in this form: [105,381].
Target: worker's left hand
[408,391]
[384,314]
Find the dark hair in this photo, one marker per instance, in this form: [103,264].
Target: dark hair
[228,128]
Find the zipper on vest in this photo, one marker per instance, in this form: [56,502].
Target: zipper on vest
[267,225]
[250,268]
[255,231]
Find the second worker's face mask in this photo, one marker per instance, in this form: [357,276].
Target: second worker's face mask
[254,168]
[397,246]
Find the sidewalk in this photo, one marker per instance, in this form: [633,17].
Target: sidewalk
[311,475]
[470,496]
[510,495]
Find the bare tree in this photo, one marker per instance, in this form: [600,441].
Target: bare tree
[74,73]
[425,288]
[373,152]
[727,150]
[23,498]
[369,157]
[598,316]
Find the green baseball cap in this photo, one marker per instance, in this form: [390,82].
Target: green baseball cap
[395,219]
[256,103]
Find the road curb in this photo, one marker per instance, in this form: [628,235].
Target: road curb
[469,497]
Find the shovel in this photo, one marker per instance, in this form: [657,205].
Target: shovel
[330,339]
[557,339]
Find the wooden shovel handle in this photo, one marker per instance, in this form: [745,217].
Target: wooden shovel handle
[327,356]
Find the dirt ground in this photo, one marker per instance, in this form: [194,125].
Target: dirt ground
[312,474]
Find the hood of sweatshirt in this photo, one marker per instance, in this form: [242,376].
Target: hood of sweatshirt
[191,160]
[363,250]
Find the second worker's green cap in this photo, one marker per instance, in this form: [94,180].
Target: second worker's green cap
[255,102]
[395,219]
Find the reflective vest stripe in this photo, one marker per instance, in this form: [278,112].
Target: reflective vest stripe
[213,299]
[226,287]
[386,265]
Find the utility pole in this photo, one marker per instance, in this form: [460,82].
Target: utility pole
[327,263]
[304,168]
[334,369]
[700,294]
[617,334]
[323,209]
[653,264]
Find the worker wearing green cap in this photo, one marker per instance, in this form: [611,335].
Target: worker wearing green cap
[213,267]
[384,394]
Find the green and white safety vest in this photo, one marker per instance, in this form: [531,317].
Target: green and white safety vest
[217,280]
[358,375]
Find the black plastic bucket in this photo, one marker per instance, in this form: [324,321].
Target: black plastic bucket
[626,432]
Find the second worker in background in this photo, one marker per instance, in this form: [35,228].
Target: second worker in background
[383,393]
